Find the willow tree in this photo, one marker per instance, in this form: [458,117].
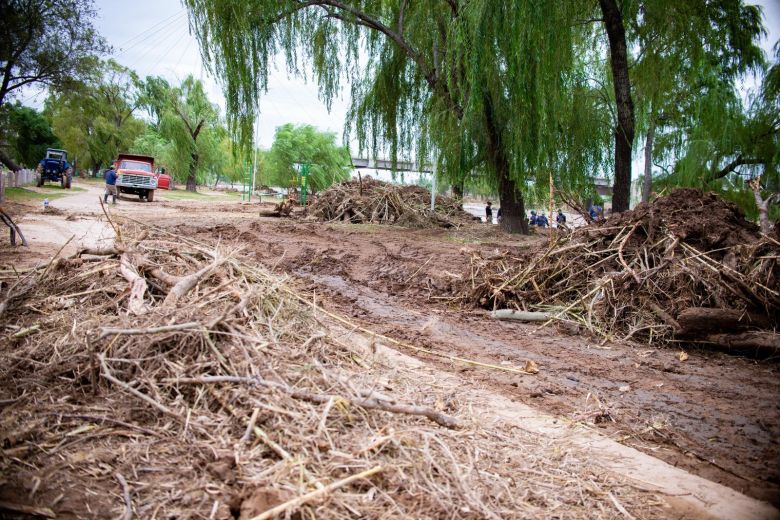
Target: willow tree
[94,118]
[186,117]
[665,32]
[477,85]
[329,162]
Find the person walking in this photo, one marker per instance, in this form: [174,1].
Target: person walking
[110,176]
[541,221]
[489,212]
[560,219]
[533,220]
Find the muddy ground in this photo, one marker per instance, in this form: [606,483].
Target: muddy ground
[715,414]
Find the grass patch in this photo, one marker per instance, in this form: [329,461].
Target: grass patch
[183,195]
[23,194]
[57,189]
[198,195]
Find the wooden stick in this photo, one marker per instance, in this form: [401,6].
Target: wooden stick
[106,373]
[138,286]
[186,283]
[190,325]
[251,426]
[308,497]
[126,494]
[14,228]
[368,403]
[511,314]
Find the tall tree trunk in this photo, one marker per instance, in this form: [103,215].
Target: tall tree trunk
[9,162]
[624,130]
[511,198]
[457,191]
[512,205]
[647,184]
[192,178]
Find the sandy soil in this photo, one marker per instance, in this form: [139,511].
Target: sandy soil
[715,415]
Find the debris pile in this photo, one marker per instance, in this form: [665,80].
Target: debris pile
[162,377]
[686,266]
[376,202]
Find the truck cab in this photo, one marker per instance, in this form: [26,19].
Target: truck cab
[55,167]
[136,175]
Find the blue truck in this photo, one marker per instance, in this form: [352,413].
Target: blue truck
[55,167]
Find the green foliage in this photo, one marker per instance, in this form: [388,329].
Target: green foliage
[186,118]
[329,162]
[94,119]
[45,42]
[27,133]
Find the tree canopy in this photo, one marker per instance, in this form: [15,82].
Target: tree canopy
[329,163]
[513,91]
[47,42]
[27,133]
[95,117]
[184,116]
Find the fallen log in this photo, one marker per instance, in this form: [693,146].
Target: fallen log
[765,342]
[511,314]
[697,321]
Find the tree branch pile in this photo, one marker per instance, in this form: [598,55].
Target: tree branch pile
[370,201]
[160,377]
[684,267]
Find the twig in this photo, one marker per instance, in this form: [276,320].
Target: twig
[106,373]
[308,497]
[186,283]
[369,404]
[619,506]
[190,325]
[126,493]
[250,427]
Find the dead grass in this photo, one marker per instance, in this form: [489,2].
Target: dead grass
[162,377]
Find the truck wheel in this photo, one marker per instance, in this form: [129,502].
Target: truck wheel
[150,196]
[67,183]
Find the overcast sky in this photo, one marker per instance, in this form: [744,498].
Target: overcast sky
[152,37]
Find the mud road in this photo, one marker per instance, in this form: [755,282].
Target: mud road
[714,414]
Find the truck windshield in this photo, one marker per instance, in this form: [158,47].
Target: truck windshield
[135,165]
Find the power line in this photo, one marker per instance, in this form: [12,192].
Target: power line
[175,34]
[143,34]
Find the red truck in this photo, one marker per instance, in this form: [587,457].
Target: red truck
[136,175]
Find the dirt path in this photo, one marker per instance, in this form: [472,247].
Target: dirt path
[714,415]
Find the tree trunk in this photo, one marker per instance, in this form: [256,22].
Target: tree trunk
[192,179]
[647,184]
[6,159]
[624,130]
[457,191]
[512,208]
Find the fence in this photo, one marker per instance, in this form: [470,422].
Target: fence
[17,179]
